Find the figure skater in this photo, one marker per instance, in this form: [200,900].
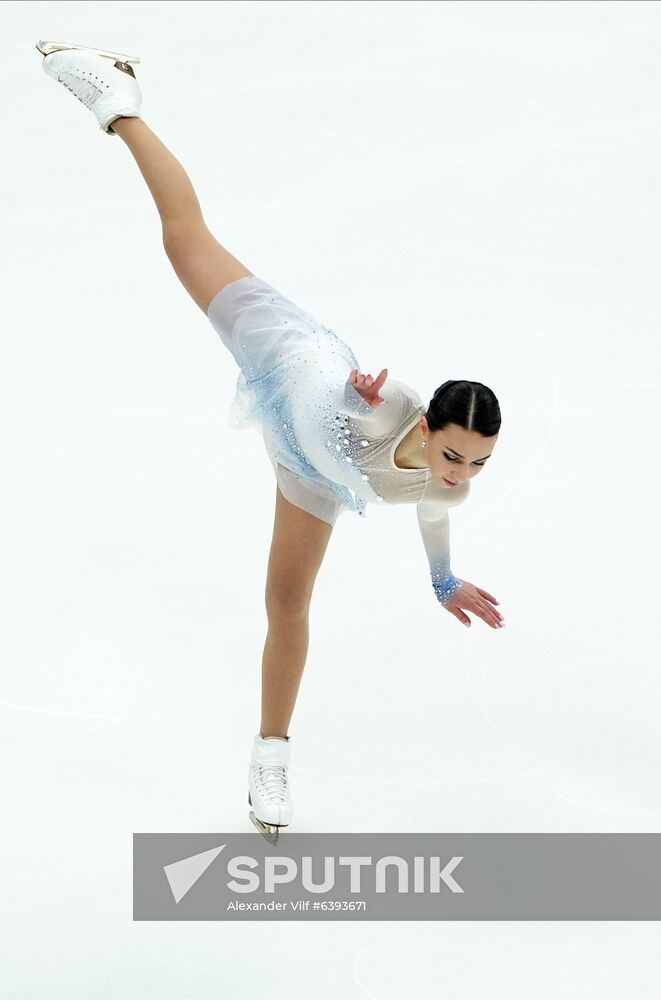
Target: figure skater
[337,439]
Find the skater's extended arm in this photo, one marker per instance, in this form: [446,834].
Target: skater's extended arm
[434,524]
[457,596]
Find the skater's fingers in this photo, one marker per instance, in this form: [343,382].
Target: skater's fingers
[464,619]
[382,376]
[489,601]
[472,601]
[488,614]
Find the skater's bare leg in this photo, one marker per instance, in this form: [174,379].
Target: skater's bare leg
[297,551]
[202,265]
[285,653]
[299,540]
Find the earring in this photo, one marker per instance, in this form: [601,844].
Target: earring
[423,444]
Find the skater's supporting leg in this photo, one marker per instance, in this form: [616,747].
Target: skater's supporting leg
[299,544]
[202,265]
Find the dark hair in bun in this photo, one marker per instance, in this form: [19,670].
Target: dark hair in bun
[471,405]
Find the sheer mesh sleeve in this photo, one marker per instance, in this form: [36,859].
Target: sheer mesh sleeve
[434,524]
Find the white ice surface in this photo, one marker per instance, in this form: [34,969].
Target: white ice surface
[459,190]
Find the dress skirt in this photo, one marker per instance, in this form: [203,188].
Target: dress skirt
[292,387]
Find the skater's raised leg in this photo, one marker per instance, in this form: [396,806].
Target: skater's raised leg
[109,89]
[202,265]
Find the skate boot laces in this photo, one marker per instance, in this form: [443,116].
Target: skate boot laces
[87,90]
[273,782]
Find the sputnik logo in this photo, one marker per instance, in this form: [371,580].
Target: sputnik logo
[182,875]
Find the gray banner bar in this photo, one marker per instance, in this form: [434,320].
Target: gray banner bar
[397,876]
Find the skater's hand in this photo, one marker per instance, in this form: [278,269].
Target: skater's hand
[368,387]
[479,601]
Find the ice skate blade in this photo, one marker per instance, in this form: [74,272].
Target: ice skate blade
[267,830]
[47,47]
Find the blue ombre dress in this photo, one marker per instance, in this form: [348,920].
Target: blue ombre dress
[293,387]
[331,451]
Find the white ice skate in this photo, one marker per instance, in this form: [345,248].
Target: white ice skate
[268,783]
[103,81]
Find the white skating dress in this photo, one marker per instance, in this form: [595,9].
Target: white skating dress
[330,450]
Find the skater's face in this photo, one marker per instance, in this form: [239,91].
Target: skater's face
[455,454]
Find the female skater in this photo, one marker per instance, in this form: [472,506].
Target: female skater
[337,439]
